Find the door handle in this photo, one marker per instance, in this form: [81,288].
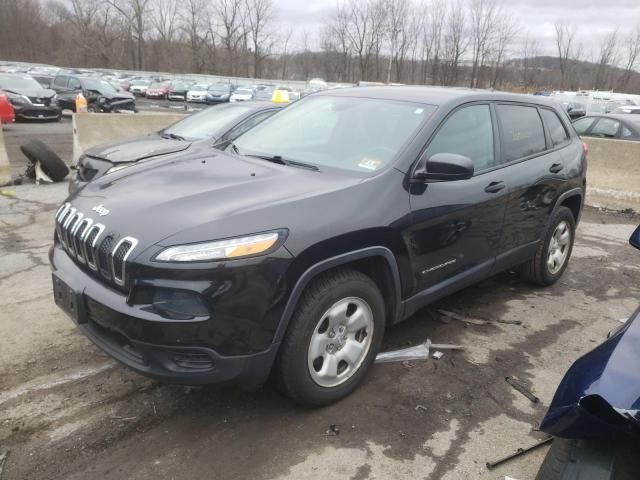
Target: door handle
[494,187]
[556,167]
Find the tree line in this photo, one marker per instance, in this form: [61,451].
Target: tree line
[475,43]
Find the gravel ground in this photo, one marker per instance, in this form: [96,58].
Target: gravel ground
[67,411]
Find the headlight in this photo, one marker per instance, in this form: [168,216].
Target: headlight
[223,249]
[18,99]
[120,166]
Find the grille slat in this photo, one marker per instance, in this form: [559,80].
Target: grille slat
[83,241]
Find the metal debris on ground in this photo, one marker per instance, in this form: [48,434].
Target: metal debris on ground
[461,318]
[332,431]
[519,452]
[437,355]
[3,459]
[421,407]
[417,352]
[520,387]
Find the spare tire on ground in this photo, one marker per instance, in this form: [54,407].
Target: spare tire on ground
[50,162]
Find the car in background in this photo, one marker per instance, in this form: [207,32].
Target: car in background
[242,95]
[198,93]
[139,87]
[101,95]
[595,413]
[178,90]
[627,110]
[219,93]
[7,114]
[212,127]
[30,101]
[44,80]
[158,90]
[623,127]
[574,109]
[263,93]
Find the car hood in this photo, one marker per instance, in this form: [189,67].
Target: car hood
[599,397]
[138,148]
[32,92]
[197,196]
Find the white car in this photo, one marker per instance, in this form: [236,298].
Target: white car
[198,93]
[139,87]
[242,95]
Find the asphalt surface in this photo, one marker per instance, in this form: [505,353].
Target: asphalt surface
[59,135]
[67,411]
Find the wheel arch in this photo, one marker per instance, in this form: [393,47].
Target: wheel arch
[572,199]
[377,262]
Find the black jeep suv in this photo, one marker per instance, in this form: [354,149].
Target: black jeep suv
[291,251]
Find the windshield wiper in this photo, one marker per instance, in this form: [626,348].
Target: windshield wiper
[173,136]
[283,161]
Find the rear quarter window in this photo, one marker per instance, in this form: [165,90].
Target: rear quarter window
[556,129]
[522,131]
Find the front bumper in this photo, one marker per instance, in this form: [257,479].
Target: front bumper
[191,352]
[35,112]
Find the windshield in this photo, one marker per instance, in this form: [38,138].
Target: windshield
[157,85]
[243,91]
[207,124]
[139,82]
[219,88]
[358,134]
[9,82]
[99,85]
[200,87]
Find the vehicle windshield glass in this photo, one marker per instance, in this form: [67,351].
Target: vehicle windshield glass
[207,124]
[357,134]
[100,85]
[9,82]
[243,91]
[200,87]
[157,85]
[219,88]
[139,82]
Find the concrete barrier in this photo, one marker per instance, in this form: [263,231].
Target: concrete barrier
[5,168]
[613,175]
[91,129]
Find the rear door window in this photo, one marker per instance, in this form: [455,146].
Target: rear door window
[556,129]
[606,128]
[74,84]
[468,132]
[522,131]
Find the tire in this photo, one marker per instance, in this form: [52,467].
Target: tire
[51,164]
[340,290]
[538,270]
[93,109]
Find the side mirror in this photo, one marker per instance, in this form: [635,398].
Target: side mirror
[444,167]
[634,240]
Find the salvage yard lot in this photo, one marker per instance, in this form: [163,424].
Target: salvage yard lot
[69,411]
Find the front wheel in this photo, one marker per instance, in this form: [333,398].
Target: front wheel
[334,335]
[552,257]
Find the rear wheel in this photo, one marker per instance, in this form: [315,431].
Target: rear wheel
[332,339]
[552,257]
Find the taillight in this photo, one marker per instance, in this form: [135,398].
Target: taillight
[585,148]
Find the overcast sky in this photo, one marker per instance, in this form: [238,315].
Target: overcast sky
[594,18]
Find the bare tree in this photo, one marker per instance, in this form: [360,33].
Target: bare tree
[230,15]
[396,12]
[195,28]
[530,51]
[483,19]
[632,56]
[259,14]
[506,30]
[135,14]
[607,57]
[456,42]
[565,35]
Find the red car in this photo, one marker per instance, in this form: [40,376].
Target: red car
[158,90]
[7,115]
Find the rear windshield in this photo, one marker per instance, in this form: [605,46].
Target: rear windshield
[209,122]
[357,134]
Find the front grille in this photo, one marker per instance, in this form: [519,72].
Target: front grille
[84,241]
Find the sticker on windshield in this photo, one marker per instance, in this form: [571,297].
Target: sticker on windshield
[370,163]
